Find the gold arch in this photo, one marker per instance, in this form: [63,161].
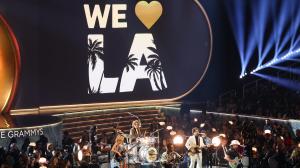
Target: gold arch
[9,65]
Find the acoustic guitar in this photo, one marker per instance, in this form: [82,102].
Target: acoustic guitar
[196,149]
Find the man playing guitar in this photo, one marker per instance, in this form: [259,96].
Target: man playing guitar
[232,155]
[170,158]
[194,145]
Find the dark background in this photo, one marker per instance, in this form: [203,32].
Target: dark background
[45,67]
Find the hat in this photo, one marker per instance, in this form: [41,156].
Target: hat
[267,131]
[43,160]
[32,144]
[234,142]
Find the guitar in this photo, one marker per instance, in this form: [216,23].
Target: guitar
[234,163]
[173,159]
[196,149]
[123,153]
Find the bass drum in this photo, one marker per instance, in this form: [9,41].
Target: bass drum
[148,154]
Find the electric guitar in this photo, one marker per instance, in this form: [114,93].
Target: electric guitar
[123,153]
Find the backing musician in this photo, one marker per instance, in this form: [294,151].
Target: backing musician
[135,131]
[170,158]
[194,145]
[232,155]
[119,151]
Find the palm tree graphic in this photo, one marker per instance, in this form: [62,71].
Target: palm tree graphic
[154,69]
[131,64]
[94,51]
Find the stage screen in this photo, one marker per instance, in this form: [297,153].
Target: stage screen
[87,51]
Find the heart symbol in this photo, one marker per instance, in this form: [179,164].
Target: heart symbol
[148,13]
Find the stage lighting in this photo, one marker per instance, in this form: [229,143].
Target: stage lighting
[195,119]
[214,130]
[178,140]
[202,125]
[267,131]
[254,149]
[275,61]
[162,123]
[169,127]
[216,141]
[230,122]
[173,133]
[281,137]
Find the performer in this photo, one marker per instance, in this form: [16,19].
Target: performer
[232,155]
[194,145]
[170,158]
[135,131]
[119,150]
[206,152]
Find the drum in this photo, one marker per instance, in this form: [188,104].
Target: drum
[148,154]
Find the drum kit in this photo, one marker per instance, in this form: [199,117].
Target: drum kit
[146,152]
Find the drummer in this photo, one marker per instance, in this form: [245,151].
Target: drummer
[135,131]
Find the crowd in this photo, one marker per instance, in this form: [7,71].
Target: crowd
[264,99]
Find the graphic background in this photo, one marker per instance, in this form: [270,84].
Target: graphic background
[52,35]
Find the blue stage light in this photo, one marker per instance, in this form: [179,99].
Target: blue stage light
[281,19]
[287,69]
[290,84]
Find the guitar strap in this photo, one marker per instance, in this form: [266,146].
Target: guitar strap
[197,138]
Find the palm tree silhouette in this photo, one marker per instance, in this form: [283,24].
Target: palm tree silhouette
[131,63]
[154,68]
[94,51]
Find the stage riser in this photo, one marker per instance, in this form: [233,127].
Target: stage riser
[76,123]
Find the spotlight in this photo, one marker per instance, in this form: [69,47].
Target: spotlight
[281,137]
[162,123]
[254,149]
[213,130]
[173,133]
[230,122]
[202,125]
[195,119]
[216,141]
[169,127]
[178,140]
